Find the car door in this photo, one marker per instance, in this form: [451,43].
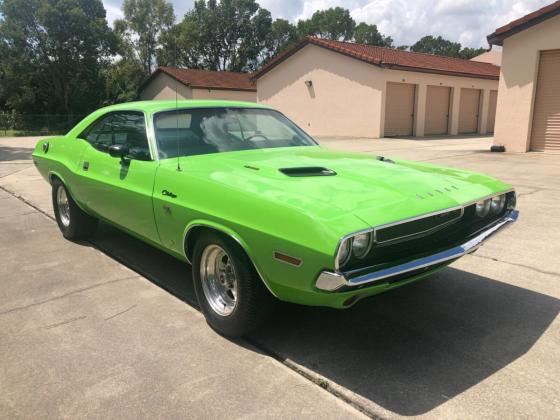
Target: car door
[120,190]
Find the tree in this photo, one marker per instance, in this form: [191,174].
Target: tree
[144,22]
[52,54]
[467,53]
[229,35]
[369,34]
[282,34]
[334,23]
[438,46]
[441,46]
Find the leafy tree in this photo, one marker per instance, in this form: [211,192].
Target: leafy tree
[229,35]
[282,34]
[334,23]
[144,22]
[122,81]
[441,46]
[52,54]
[8,120]
[438,46]
[467,53]
[369,34]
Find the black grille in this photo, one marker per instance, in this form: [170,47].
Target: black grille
[453,233]
[418,227]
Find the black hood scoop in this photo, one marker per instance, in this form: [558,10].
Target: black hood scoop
[307,171]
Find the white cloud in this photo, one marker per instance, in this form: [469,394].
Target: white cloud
[466,21]
[114,12]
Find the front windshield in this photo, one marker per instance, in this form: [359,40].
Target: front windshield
[198,131]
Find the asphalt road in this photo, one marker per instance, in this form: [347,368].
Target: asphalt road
[110,327]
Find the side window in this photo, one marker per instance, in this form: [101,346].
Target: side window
[126,128]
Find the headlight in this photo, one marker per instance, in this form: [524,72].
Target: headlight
[483,208]
[497,203]
[344,252]
[361,244]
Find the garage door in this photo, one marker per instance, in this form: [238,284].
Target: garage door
[492,111]
[437,110]
[546,115]
[468,111]
[399,109]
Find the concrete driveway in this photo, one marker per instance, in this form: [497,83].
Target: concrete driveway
[110,327]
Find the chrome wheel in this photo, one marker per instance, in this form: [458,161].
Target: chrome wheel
[219,280]
[63,206]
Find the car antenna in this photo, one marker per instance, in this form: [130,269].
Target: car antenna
[177,106]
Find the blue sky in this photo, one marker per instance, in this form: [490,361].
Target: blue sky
[466,21]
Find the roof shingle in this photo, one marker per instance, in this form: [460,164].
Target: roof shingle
[209,79]
[393,59]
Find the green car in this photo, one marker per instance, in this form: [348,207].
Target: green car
[260,210]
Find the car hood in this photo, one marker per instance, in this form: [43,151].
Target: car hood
[371,188]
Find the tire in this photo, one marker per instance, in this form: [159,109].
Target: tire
[72,221]
[252,303]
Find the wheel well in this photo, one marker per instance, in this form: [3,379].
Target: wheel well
[194,233]
[52,177]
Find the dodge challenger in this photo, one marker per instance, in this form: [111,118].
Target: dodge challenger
[260,210]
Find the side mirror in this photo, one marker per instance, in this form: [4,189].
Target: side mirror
[119,151]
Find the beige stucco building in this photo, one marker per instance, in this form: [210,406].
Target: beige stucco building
[345,89]
[528,116]
[169,82]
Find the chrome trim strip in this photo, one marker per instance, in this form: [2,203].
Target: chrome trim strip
[329,281]
[411,219]
[230,236]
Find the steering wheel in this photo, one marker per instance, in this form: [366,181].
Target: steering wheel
[262,136]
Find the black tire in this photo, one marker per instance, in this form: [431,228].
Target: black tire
[254,303]
[76,224]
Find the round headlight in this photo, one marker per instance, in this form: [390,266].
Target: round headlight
[497,204]
[360,244]
[344,252]
[483,208]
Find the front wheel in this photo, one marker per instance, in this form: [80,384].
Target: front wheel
[230,293]
[73,222]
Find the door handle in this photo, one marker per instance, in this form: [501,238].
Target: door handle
[85,166]
[169,194]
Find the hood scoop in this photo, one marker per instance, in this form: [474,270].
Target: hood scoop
[307,171]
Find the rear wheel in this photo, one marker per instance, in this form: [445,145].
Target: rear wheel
[230,293]
[73,222]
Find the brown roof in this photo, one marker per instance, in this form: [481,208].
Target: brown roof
[393,59]
[207,79]
[497,37]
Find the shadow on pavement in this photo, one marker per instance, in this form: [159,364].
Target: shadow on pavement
[8,154]
[408,351]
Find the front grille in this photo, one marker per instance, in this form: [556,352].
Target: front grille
[418,227]
[401,243]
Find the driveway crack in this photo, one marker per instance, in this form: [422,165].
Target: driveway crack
[550,273]
[121,312]
[64,295]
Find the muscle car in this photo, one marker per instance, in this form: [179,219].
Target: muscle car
[260,210]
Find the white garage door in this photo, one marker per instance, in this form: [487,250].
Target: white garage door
[399,109]
[468,111]
[546,114]
[437,110]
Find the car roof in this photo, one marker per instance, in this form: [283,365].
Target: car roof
[156,106]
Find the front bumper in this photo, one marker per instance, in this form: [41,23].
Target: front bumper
[332,281]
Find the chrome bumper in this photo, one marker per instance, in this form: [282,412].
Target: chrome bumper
[331,281]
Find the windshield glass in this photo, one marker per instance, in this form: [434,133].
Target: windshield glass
[198,131]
